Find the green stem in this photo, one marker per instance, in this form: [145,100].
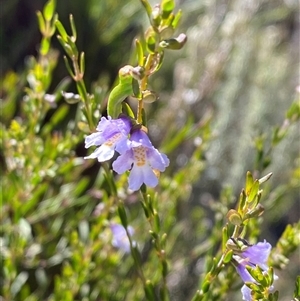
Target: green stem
[143,87]
[157,243]
[82,91]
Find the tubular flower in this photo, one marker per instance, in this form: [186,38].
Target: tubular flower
[254,255]
[120,239]
[111,135]
[142,159]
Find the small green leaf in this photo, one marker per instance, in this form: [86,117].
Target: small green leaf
[225,238]
[73,46]
[148,7]
[163,240]
[140,52]
[293,112]
[49,10]
[176,20]
[41,22]
[167,6]
[151,43]
[254,191]
[136,89]
[66,46]
[146,210]
[82,63]
[156,222]
[205,286]
[228,256]
[61,30]
[144,117]
[81,90]
[164,268]
[242,201]
[249,182]
[122,214]
[136,255]
[68,67]
[73,28]
[149,291]
[297,288]
[127,109]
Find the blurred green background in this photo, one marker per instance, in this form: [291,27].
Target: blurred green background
[239,72]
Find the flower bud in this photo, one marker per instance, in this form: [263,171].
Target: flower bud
[174,43]
[155,16]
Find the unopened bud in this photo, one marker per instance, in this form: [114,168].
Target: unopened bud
[155,16]
[174,43]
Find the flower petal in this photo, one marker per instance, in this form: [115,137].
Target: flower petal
[102,153]
[93,139]
[245,275]
[112,134]
[140,175]
[157,160]
[135,179]
[139,138]
[258,254]
[123,162]
[123,145]
[246,291]
[149,176]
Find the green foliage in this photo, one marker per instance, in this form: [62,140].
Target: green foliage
[297,289]
[56,208]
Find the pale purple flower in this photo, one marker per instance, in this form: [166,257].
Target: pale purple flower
[111,135]
[142,159]
[254,255]
[120,239]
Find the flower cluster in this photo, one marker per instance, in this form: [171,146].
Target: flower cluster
[256,255]
[137,153]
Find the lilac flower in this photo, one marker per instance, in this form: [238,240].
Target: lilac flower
[111,135]
[142,159]
[255,255]
[120,238]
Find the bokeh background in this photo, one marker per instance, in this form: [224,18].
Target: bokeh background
[238,72]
